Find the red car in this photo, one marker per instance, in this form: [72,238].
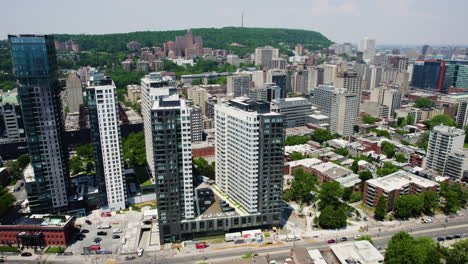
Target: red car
[331,241]
[201,245]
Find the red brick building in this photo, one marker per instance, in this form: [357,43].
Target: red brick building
[394,185]
[416,160]
[203,150]
[38,231]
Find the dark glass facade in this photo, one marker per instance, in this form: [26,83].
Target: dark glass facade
[428,75]
[34,64]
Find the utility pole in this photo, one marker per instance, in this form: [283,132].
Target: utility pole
[242,20]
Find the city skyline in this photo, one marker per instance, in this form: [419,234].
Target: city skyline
[413,23]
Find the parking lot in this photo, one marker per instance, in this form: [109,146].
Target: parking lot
[116,221]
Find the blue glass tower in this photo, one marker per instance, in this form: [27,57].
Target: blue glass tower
[35,67]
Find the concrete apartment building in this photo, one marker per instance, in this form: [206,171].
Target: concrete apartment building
[238,85]
[74,93]
[462,114]
[267,93]
[264,55]
[339,105]
[456,166]
[107,143]
[153,87]
[394,185]
[47,190]
[443,140]
[133,93]
[295,110]
[11,127]
[199,96]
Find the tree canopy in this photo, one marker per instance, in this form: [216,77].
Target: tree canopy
[403,248]
[133,150]
[296,140]
[322,135]
[423,102]
[201,167]
[6,200]
[302,186]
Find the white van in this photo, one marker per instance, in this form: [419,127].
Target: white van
[124,240]
[116,231]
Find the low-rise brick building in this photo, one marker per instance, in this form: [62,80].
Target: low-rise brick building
[394,185]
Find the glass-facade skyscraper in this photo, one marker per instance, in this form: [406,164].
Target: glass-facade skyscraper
[35,67]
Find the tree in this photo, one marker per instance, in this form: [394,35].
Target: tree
[357,196]
[410,119]
[296,155]
[342,151]
[322,135]
[76,165]
[302,186]
[457,253]
[296,140]
[332,217]
[347,193]
[197,81]
[365,175]
[23,160]
[443,120]
[430,201]
[423,103]
[388,168]
[381,133]
[455,196]
[368,238]
[381,209]
[423,141]
[133,149]
[401,122]
[388,149]
[403,248]
[409,205]
[201,167]
[400,157]
[369,119]
[329,194]
[6,200]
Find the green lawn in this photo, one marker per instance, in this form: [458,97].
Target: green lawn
[146,183]
[8,249]
[465,145]
[54,250]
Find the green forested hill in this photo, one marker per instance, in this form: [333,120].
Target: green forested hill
[217,38]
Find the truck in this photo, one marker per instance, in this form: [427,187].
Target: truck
[232,236]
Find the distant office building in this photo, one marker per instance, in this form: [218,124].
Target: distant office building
[456,166]
[158,65]
[299,50]
[442,141]
[426,50]
[170,119]
[133,45]
[428,75]
[386,96]
[263,56]
[367,46]
[186,46]
[395,185]
[107,144]
[278,63]
[238,85]
[249,162]
[315,78]
[133,93]
[349,80]
[143,66]
[455,75]
[295,110]
[347,49]
[233,59]
[74,93]
[196,123]
[199,96]
[267,93]
[281,78]
[34,64]
[11,122]
[340,106]
[300,82]
[153,87]
[127,65]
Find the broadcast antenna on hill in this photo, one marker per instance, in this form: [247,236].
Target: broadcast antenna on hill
[242,20]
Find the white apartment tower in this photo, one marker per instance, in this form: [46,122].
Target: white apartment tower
[153,87]
[443,140]
[106,138]
[249,143]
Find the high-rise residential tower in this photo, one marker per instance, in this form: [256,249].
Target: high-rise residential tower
[170,119]
[238,85]
[153,87]
[249,156]
[35,67]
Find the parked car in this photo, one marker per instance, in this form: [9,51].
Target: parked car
[457,236]
[440,239]
[95,247]
[357,236]
[26,254]
[88,222]
[448,238]
[344,239]
[84,231]
[102,233]
[140,252]
[97,240]
[331,241]
[129,258]
[115,237]
[116,231]
[104,226]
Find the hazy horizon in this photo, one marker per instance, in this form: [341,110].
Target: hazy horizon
[390,22]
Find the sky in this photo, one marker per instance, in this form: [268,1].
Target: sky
[405,22]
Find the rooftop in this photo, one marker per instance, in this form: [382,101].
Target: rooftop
[332,170]
[305,162]
[453,131]
[316,256]
[29,174]
[45,220]
[400,179]
[362,251]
